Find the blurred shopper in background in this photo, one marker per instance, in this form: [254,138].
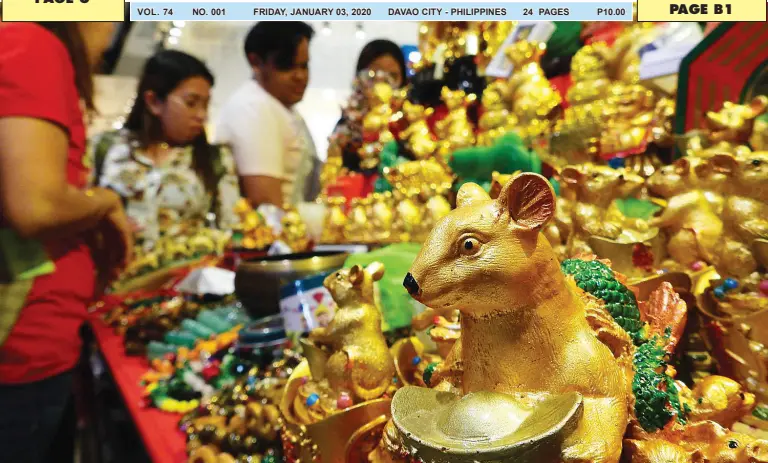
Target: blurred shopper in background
[161,163]
[377,55]
[383,55]
[49,227]
[276,158]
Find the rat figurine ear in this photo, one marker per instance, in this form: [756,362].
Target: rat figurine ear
[470,193]
[375,270]
[356,275]
[530,200]
[724,163]
[571,175]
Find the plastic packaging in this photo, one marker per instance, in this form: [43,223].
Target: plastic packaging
[198,329]
[213,321]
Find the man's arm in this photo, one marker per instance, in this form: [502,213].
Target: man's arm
[260,189]
[254,134]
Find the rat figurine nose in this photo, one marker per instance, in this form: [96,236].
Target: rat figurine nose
[411,285]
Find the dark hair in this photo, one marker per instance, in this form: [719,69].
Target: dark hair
[377,48]
[276,41]
[69,34]
[162,74]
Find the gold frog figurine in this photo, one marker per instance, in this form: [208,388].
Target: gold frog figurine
[496,119]
[417,136]
[455,130]
[531,96]
[360,362]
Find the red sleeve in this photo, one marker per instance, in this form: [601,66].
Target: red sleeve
[35,74]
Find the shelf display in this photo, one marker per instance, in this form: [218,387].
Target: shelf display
[572,273]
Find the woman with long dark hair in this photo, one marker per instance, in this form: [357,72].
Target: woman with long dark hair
[161,163]
[48,221]
[383,55]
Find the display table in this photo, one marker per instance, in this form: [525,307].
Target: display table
[158,429]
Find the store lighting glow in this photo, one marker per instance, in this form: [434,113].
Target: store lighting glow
[414,56]
[175,32]
[173,40]
[360,33]
[329,94]
[179,24]
[326,28]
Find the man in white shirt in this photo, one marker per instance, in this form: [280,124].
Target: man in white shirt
[274,159]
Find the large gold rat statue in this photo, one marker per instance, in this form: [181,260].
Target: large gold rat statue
[530,336]
[523,327]
[360,363]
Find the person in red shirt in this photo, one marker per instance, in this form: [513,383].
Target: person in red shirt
[48,269]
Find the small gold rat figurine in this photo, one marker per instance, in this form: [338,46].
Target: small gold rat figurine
[734,122]
[418,138]
[335,221]
[529,92]
[382,216]
[496,119]
[294,230]
[695,229]
[594,188]
[360,362]
[455,130]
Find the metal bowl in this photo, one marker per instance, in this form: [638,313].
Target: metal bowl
[258,281]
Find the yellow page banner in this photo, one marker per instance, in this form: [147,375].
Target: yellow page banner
[701,10]
[63,10]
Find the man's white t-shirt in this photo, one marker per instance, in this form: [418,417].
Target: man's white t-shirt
[263,135]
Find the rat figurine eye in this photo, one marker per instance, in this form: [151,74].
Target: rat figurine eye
[756,162]
[469,246]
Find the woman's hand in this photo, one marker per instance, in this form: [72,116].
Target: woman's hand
[113,238]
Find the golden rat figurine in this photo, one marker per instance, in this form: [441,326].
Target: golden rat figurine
[358,227]
[417,136]
[530,94]
[360,362]
[496,119]
[734,122]
[694,227]
[436,205]
[335,221]
[376,121]
[382,217]
[745,213]
[594,189]
[294,232]
[455,130]
[523,343]
[409,215]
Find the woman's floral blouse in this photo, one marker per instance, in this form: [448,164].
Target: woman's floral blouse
[166,198]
